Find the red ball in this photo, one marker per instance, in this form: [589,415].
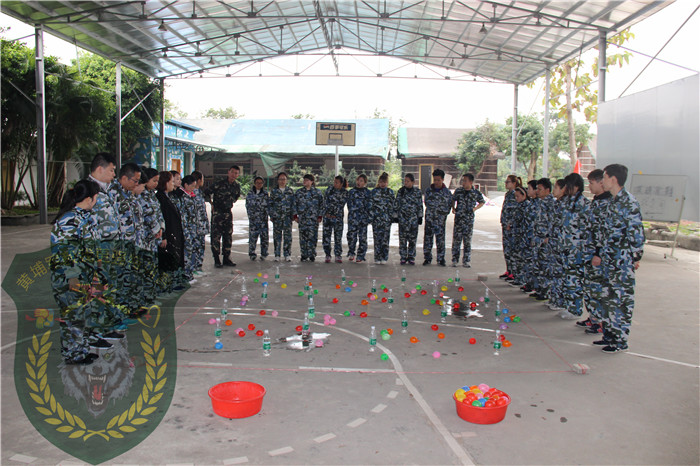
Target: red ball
[363,314]
[386,290]
[456,305]
[434,327]
[241,333]
[262,313]
[299,328]
[502,337]
[251,327]
[369,295]
[335,300]
[407,295]
[423,292]
[259,333]
[472,341]
[461,288]
[337,287]
[383,300]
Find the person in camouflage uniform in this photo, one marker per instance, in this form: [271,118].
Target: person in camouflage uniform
[409,210]
[556,261]
[525,241]
[153,225]
[438,202]
[508,209]
[358,201]
[308,212]
[466,200]
[520,236]
[202,223]
[334,200]
[594,280]
[281,212]
[222,195]
[620,248]
[382,213]
[257,204]
[139,266]
[184,200]
[542,231]
[73,265]
[575,245]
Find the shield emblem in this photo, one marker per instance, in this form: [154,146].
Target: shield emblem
[94,412]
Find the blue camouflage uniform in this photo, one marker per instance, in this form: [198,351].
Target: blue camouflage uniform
[542,231]
[438,203]
[465,202]
[334,219]
[257,205]
[358,218]
[409,208]
[556,257]
[381,213]
[508,209]
[152,224]
[73,259]
[128,293]
[281,212]
[308,207]
[203,228]
[186,206]
[527,253]
[595,283]
[621,244]
[575,249]
[519,240]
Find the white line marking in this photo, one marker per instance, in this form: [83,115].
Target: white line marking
[239,460]
[392,394]
[464,434]
[345,369]
[379,408]
[357,422]
[214,364]
[280,451]
[325,438]
[646,356]
[22,458]
[399,382]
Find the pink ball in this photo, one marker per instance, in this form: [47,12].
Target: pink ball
[239,329]
[319,343]
[481,299]
[442,294]
[274,313]
[327,317]
[265,276]
[332,321]
[212,321]
[354,285]
[436,354]
[413,291]
[372,298]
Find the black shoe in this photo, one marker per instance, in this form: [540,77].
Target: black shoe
[515,284]
[217,262]
[442,263]
[602,342]
[88,359]
[253,257]
[526,289]
[503,276]
[584,323]
[540,297]
[610,349]
[228,262]
[594,329]
[426,262]
[113,336]
[509,279]
[312,259]
[101,344]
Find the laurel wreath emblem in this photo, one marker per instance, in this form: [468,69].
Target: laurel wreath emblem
[68,423]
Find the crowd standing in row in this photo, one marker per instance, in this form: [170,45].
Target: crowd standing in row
[575,253]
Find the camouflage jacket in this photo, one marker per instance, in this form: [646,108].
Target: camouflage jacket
[334,202]
[599,205]
[529,218]
[557,213]
[409,206]
[464,202]
[222,195]
[621,242]
[382,206]
[359,203]
[438,203]
[187,208]
[202,219]
[72,238]
[124,202]
[257,205]
[105,215]
[282,205]
[543,220]
[152,218]
[510,205]
[520,225]
[574,240]
[308,204]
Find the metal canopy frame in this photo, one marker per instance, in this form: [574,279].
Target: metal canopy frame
[508,41]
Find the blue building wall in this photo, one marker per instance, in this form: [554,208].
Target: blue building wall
[146,149]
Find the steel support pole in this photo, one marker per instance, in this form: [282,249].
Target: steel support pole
[545,147]
[514,137]
[40,126]
[118,94]
[337,161]
[161,139]
[602,64]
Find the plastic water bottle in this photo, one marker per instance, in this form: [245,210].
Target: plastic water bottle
[403,276]
[305,333]
[310,293]
[443,312]
[217,331]
[498,310]
[435,288]
[390,300]
[342,276]
[372,339]
[307,284]
[267,343]
[404,321]
[263,297]
[312,308]
[244,288]
[374,286]
[277,274]
[224,310]
[457,277]
[497,343]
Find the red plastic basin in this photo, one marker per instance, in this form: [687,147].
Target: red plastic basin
[235,400]
[478,415]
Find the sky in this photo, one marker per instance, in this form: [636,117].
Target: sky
[417,102]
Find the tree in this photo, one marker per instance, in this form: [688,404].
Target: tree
[475,146]
[303,116]
[393,128]
[529,141]
[173,111]
[227,113]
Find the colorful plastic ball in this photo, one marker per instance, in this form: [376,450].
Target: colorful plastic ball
[256,280]
[436,354]
[443,288]
[354,285]
[283,285]
[502,337]
[251,326]
[318,343]
[262,312]
[386,290]
[238,329]
[414,340]
[413,291]
[434,327]
[426,312]
[301,293]
[337,287]
[441,335]
[299,328]
[503,326]
[418,287]
[456,305]
[332,321]
[212,321]
[384,357]
[481,299]
[464,298]
[274,313]
[407,295]
[373,297]
[483,387]
[351,282]
[335,300]
[507,343]
[364,302]
[259,333]
[352,313]
[348,289]
[346,313]
[390,331]
[315,291]
[385,336]
[516,319]
[423,292]
[363,314]
[460,289]
[218,345]
[477,403]
[441,294]
[384,299]
[241,333]
[506,319]
[487,299]
[432,301]
[472,341]
[505,310]
[228,322]
[460,392]
[449,280]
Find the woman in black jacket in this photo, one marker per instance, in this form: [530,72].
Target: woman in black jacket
[171,253]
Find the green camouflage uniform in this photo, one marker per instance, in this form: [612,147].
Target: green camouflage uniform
[222,196]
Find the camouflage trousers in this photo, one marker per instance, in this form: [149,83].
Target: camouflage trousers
[114,256]
[75,343]
[618,304]
[594,292]
[308,238]
[200,246]
[149,269]
[255,231]
[462,233]
[556,277]
[508,242]
[381,232]
[434,229]
[190,255]
[333,227]
[572,286]
[357,232]
[539,268]
[221,233]
[408,234]
[282,237]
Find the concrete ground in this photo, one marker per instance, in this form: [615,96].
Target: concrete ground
[341,404]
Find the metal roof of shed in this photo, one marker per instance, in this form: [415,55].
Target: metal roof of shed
[510,41]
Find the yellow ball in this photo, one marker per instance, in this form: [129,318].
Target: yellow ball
[464,298]
[426,312]
[460,398]
[460,391]
[260,274]
[444,288]
[284,285]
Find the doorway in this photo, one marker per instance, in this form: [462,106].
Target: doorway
[425,177]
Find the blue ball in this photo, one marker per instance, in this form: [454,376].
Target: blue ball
[265,283]
[504,310]
[218,345]
[506,319]
[348,289]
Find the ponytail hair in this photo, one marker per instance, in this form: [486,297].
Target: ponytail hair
[343,181]
[574,180]
[82,190]
[516,180]
[383,177]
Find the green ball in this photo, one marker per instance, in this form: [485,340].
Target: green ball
[384,357]
[301,293]
[449,280]
[487,299]
[418,287]
[516,319]
[315,291]
[432,301]
[385,336]
[350,282]
[256,280]
[346,313]
[382,287]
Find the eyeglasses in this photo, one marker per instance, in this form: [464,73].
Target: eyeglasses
[136,180]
